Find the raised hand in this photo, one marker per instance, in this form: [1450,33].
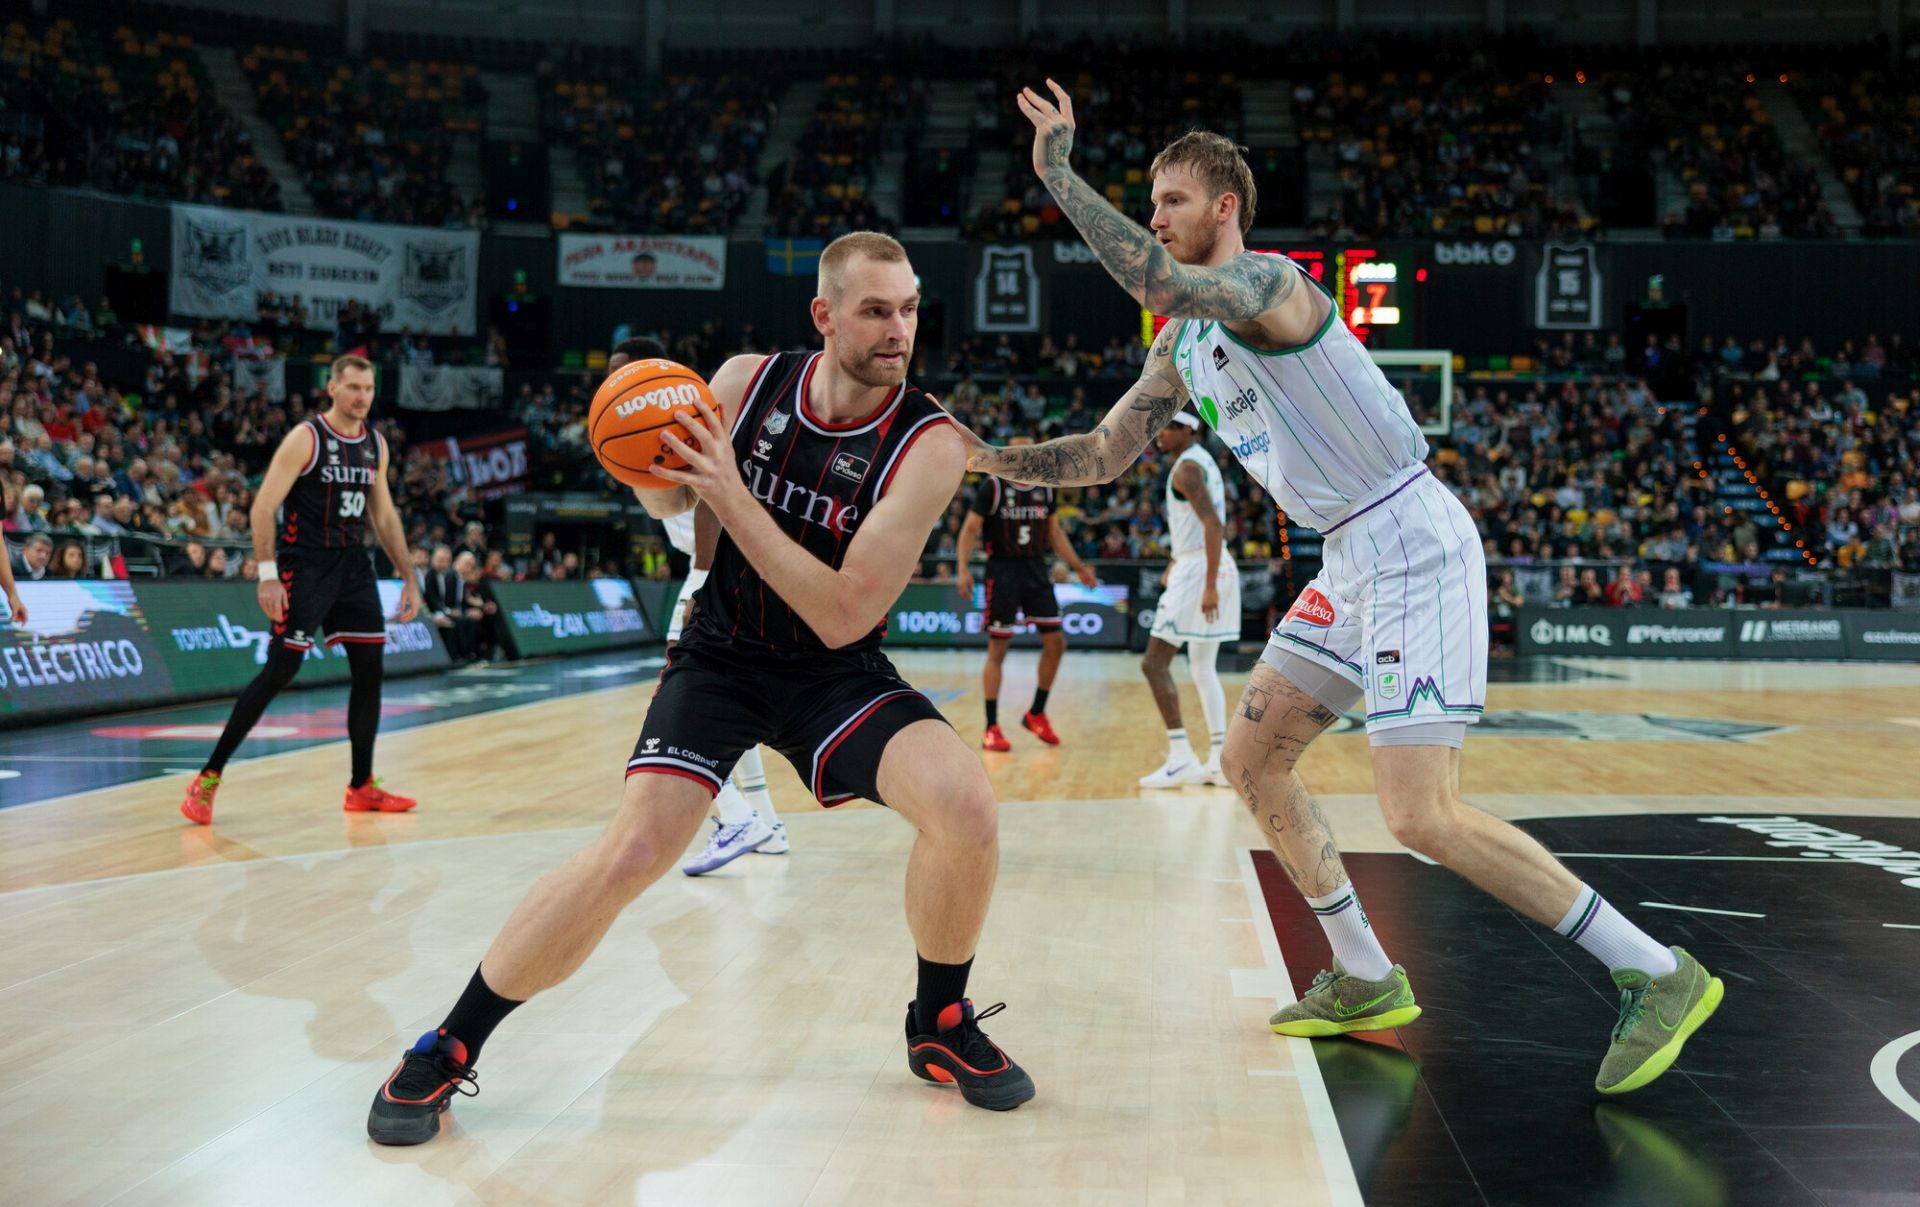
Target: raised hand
[1052,127]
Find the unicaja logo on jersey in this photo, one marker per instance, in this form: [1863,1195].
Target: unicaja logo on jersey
[666,396]
[1313,608]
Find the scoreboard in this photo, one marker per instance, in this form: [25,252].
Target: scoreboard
[1373,289]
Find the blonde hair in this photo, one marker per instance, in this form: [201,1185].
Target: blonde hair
[342,364]
[839,253]
[1217,162]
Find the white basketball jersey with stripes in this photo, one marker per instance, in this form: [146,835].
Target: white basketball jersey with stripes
[1185,536]
[1318,425]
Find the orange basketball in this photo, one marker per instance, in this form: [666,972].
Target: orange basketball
[631,410]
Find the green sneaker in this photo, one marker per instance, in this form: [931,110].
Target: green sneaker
[1338,1004]
[1657,1014]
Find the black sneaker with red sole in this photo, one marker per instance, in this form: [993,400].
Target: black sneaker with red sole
[962,1055]
[407,1109]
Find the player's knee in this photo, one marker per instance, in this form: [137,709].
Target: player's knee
[281,669]
[633,860]
[1420,820]
[970,816]
[1243,760]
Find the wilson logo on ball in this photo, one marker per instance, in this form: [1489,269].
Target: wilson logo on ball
[665,396]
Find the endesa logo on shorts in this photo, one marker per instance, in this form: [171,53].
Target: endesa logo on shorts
[1313,608]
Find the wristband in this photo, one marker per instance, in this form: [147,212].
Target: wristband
[696,578]
[269,571]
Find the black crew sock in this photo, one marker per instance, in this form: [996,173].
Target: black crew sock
[476,1014]
[941,985]
[993,712]
[1039,708]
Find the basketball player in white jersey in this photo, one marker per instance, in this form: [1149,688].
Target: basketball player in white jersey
[1396,618]
[1199,609]
[744,818]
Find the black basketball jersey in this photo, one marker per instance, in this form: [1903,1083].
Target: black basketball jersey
[1016,518]
[327,507]
[818,481]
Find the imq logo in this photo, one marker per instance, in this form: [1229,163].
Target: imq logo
[1545,632]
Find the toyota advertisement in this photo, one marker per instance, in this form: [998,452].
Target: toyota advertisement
[94,646]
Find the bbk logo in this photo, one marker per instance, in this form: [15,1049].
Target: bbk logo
[1498,254]
[1545,632]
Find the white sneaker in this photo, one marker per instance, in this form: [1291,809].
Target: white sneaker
[728,844]
[1211,774]
[1176,771]
[778,844]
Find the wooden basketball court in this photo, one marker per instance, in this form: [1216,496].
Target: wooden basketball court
[201,1016]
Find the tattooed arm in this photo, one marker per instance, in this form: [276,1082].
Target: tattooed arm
[1244,288]
[1100,455]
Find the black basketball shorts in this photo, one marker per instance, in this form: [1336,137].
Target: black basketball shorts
[1020,587]
[331,591]
[829,714]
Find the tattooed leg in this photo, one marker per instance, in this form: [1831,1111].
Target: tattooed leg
[1269,731]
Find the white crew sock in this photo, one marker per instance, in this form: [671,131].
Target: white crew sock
[1201,659]
[1351,935]
[1611,939]
[1177,747]
[750,773]
[730,807]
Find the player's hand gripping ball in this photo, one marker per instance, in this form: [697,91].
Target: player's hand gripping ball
[630,412]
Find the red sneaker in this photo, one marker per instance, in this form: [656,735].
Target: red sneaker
[1037,724]
[198,807]
[370,797]
[995,740]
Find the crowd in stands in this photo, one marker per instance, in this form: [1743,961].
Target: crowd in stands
[1432,140]
[1868,123]
[372,139]
[826,188]
[1129,101]
[126,111]
[1719,139]
[673,154]
[1422,136]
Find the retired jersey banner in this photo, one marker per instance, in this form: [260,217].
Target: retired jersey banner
[451,388]
[417,278]
[643,261]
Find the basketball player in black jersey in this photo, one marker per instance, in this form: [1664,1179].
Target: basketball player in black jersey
[836,471]
[1019,527]
[330,472]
